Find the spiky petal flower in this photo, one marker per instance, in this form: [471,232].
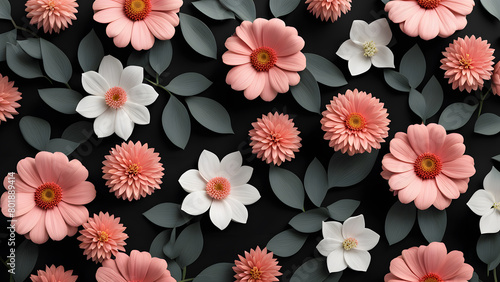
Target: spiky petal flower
[53,15]
[328,9]
[8,98]
[53,274]
[258,265]
[495,80]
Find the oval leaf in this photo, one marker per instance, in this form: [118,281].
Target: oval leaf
[141,59]
[78,132]
[345,170]
[309,221]
[432,223]
[61,145]
[156,248]
[413,66]
[21,63]
[312,270]
[487,124]
[189,245]
[417,103]
[219,272]
[9,36]
[456,115]
[283,7]
[175,269]
[27,253]
[90,52]
[213,9]
[176,123]
[287,187]
[168,215]
[399,221]
[306,93]
[488,247]
[188,84]
[334,277]
[324,71]
[493,7]
[244,9]
[55,63]
[397,81]
[316,182]
[32,47]
[342,209]
[198,35]
[210,114]
[5,10]
[160,55]
[287,243]
[35,131]
[168,248]
[433,94]
[61,99]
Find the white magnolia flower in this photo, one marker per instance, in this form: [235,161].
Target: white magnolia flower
[367,46]
[347,245]
[118,98]
[220,186]
[486,203]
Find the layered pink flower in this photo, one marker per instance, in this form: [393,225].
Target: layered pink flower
[138,21]
[8,98]
[468,62]
[52,274]
[328,9]
[140,266]
[102,236]
[132,170]
[355,122]
[52,15]
[274,138]
[266,55]
[429,18]
[427,166]
[258,265]
[495,80]
[50,192]
[430,263]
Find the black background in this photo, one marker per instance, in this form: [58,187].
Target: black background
[268,216]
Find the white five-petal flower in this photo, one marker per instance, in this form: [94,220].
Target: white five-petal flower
[118,98]
[486,203]
[220,186]
[367,46]
[347,245]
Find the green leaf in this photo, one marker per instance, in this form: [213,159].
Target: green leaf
[385,1]
[287,187]
[176,123]
[399,221]
[169,247]
[219,272]
[316,182]
[413,66]
[26,256]
[32,47]
[210,114]
[141,59]
[188,84]
[433,94]
[342,209]
[312,270]
[417,103]
[35,131]
[456,115]
[432,223]
[487,124]
[21,63]
[198,35]
[9,36]
[175,269]
[306,93]
[244,9]
[324,71]
[61,99]
[475,278]
[488,247]
[283,7]
[156,248]
[160,55]
[309,221]
[189,245]
[55,63]
[494,263]
[90,52]
[334,277]
[287,243]
[493,7]
[213,9]
[397,81]
[496,158]
[345,170]
[168,215]
[61,145]
[78,132]
[5,10]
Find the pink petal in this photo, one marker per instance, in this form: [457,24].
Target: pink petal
[434,256]
[463,7]
[26,222]
[441,201]
[453,152]
[123,38]
[142,38]
[293,77]
[452,264]
[105,274]
[402,150]
[109,15]
[447,25]
[258,30]
[401,11]
[74,173]
[427,195]
[235,59]
[105,4]
[411,25]
[244,31]
[278,80]
[25,202]
[273,33]
[122,264]
[162,5]
[116,27]
[55,224]
[257,86]
[138,265]
[18,183]
[268,93]
[429,25]
[157,267]
[240,77]
[290,43]
[399,181]
[411,191]
[410,256]
[80,194]
[447,186]
[438,134]
[73,215]
[236,45]
[418,135]
[394,165]
[400,269]
[294,62]
[26,169]
[50,165]
[39,233]
[159,25]
[460,168]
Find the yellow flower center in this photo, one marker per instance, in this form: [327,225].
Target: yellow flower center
[428,4]
[218,188]
[48,195]
[349,244]
[263,58]
[431,277]
[355,121]
[115,97]
[102,236]
[255,273]
[137,10]
[465,62]
[370,49]
[51,5]
[427,166]
[496,206]
[134,169]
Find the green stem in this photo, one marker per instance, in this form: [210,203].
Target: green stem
[46,77]
[184,270]
[481,102]
[4,263]
[23,29]
[186,280]
[158,85]
[67,85]
[495,274]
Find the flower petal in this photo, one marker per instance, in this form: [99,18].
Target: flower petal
[481,202]
[196,203]
[104,125]
[400,269]
[106,274]
[460,168]
[131,77]
[359,64]
[142,94]
[80,194]
[26,169]
[235,59]
[332,230]
[139,114]
[294,62]
[208,165]
[138,265]
[192,181]
[447,186]
[490,223]
[348,49]
[159,25]
[335,261]
[353,226]
[123,124]
[491,181]
[55,224]
[220,214]
[111,69]
[240,77]
[380,32]
[74,215]
[278,80]
[142,38]
[26,222]
[358,260]
[360,32]
[39,233]
[434,255]
[427,195]
[91,106]
[239,212]
[384,58]
[94,83]
[418,135]
[122,39]
[328,245]
[367,239]
[246,194]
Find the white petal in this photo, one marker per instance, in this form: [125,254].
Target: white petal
[353,226]
[359,64]
[384,58]
[380,32]
[490,223]
[123,124]
[191,181]
[131,77]
[142,94]
[94,83]
[335,261]
[91,106]
[367,240]
[491,183]
[104,125]
[111,69]
[349,49]
[239,212]
[360,32]
[231,163]
[481,201]
[328,245]
[358,260]
[196,203]
[246,194]
[220,214]
[332,230]
[137,113]
[208,165]
[241,177]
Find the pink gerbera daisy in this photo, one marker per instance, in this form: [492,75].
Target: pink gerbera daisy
[140,266]
[355,122]
[53,15]
[427,166]
[430,263]
[132,170]
[258,265]
[138,21]
[429,18]
[54,274]
[495,80]
[328,9]
[468,63]
[274,138]
[102,236]
[266,55]
[8,98]
[50,193]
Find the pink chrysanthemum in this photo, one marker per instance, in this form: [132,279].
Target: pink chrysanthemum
[140,266]
[495,80]
[102,236]
[427,166]
[132,170]
[429,18]
[274,138]
[257,266]
[266,55]
[430,263]
[468,63]
[50,193]
[8,98]
[138,21]
[328,9]
[53,15]
[355,122]
[54,274]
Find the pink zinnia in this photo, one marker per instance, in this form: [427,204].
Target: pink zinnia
[355,122]
[138,21]
[430,263]
[266,55]
[427,166]
[328,9]
[274,138]
[53,15]
[50,193]
[468,63]
[54,274]
[140,266]
[429,18]
[258,265]
[132,170]
[8,98]
[495,80]
[102,236]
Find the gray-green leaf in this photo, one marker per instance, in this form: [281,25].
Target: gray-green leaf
[345,170]
[413,66]
[188,84]
[160,55]
[175,269]
[189,245]
[244,9]
[432,223]
[5,10]
[90,52]
[141,58]
[417,103]
[488,247]
[287,187]
[21,63]
[176,123]
[487,124]
[27,253]
[61,145]
[283,7]
[399,221]
[156,248]
[35,131]
[32,47]
[493,7]
[306,93]
[316,182]
[343,209]
[55,63]
[312,270]
[78,132]
[324,71]
[9,36]
[219,272]
[433,94]
[287,243]
[213,9]
[397,81]
[210,114]
[456,115]
[168,215]
[61,99]
[198,35]
[309,221]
